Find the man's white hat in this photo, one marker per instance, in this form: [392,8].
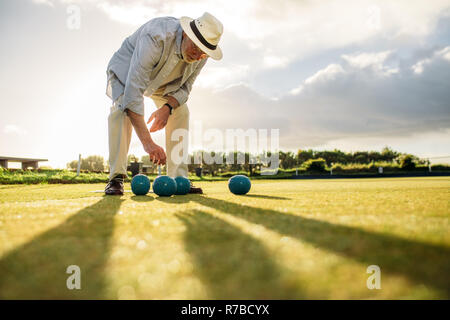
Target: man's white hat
[205,32]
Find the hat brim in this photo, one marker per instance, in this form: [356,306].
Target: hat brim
[215,54]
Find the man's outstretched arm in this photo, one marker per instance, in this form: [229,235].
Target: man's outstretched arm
[157,154]
[146,54]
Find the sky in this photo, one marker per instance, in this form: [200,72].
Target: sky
[352,75]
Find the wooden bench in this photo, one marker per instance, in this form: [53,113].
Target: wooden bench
[26,162]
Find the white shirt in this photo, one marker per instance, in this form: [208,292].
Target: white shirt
[145,60]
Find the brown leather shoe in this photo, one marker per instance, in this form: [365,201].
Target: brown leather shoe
[195,189]
[114,187]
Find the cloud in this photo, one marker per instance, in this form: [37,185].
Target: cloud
[137,14]
[220,77]
[364,60]
[325,75]
[422,64]
[353,98]
[338,71]
[275,61]
[266,36]
[282,31]
[44,2]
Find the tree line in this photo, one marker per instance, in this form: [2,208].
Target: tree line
[287,160]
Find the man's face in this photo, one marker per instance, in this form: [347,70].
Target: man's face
[190,51]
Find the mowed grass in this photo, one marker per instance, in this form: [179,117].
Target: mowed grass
[286,239]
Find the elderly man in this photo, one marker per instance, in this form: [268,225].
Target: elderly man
[161,60]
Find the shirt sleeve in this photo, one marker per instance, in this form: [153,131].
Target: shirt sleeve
[182,94]
[146,55]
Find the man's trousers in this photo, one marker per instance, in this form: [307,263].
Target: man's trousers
[120,130]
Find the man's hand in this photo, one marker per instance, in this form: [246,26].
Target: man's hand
[156,153]
[161,116]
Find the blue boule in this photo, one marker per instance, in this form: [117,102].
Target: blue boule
[164,186]
[183,185]
[140,184]
[239,184]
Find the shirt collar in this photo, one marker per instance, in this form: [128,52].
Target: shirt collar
[178,39]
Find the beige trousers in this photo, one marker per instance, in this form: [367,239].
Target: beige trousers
[119,135]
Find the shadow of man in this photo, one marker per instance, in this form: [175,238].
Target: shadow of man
[232,264]
[37,269]
[422,263]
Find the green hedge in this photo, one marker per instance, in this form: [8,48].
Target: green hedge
[16,176]
[49,176]
[440,167]
[315,165]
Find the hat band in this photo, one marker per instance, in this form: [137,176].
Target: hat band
[200,37]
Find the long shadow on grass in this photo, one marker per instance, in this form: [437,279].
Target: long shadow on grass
[421,263]
[263,196]
[232,264]
[142,198]
[37,269]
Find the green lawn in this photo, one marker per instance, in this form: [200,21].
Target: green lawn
[287,239]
